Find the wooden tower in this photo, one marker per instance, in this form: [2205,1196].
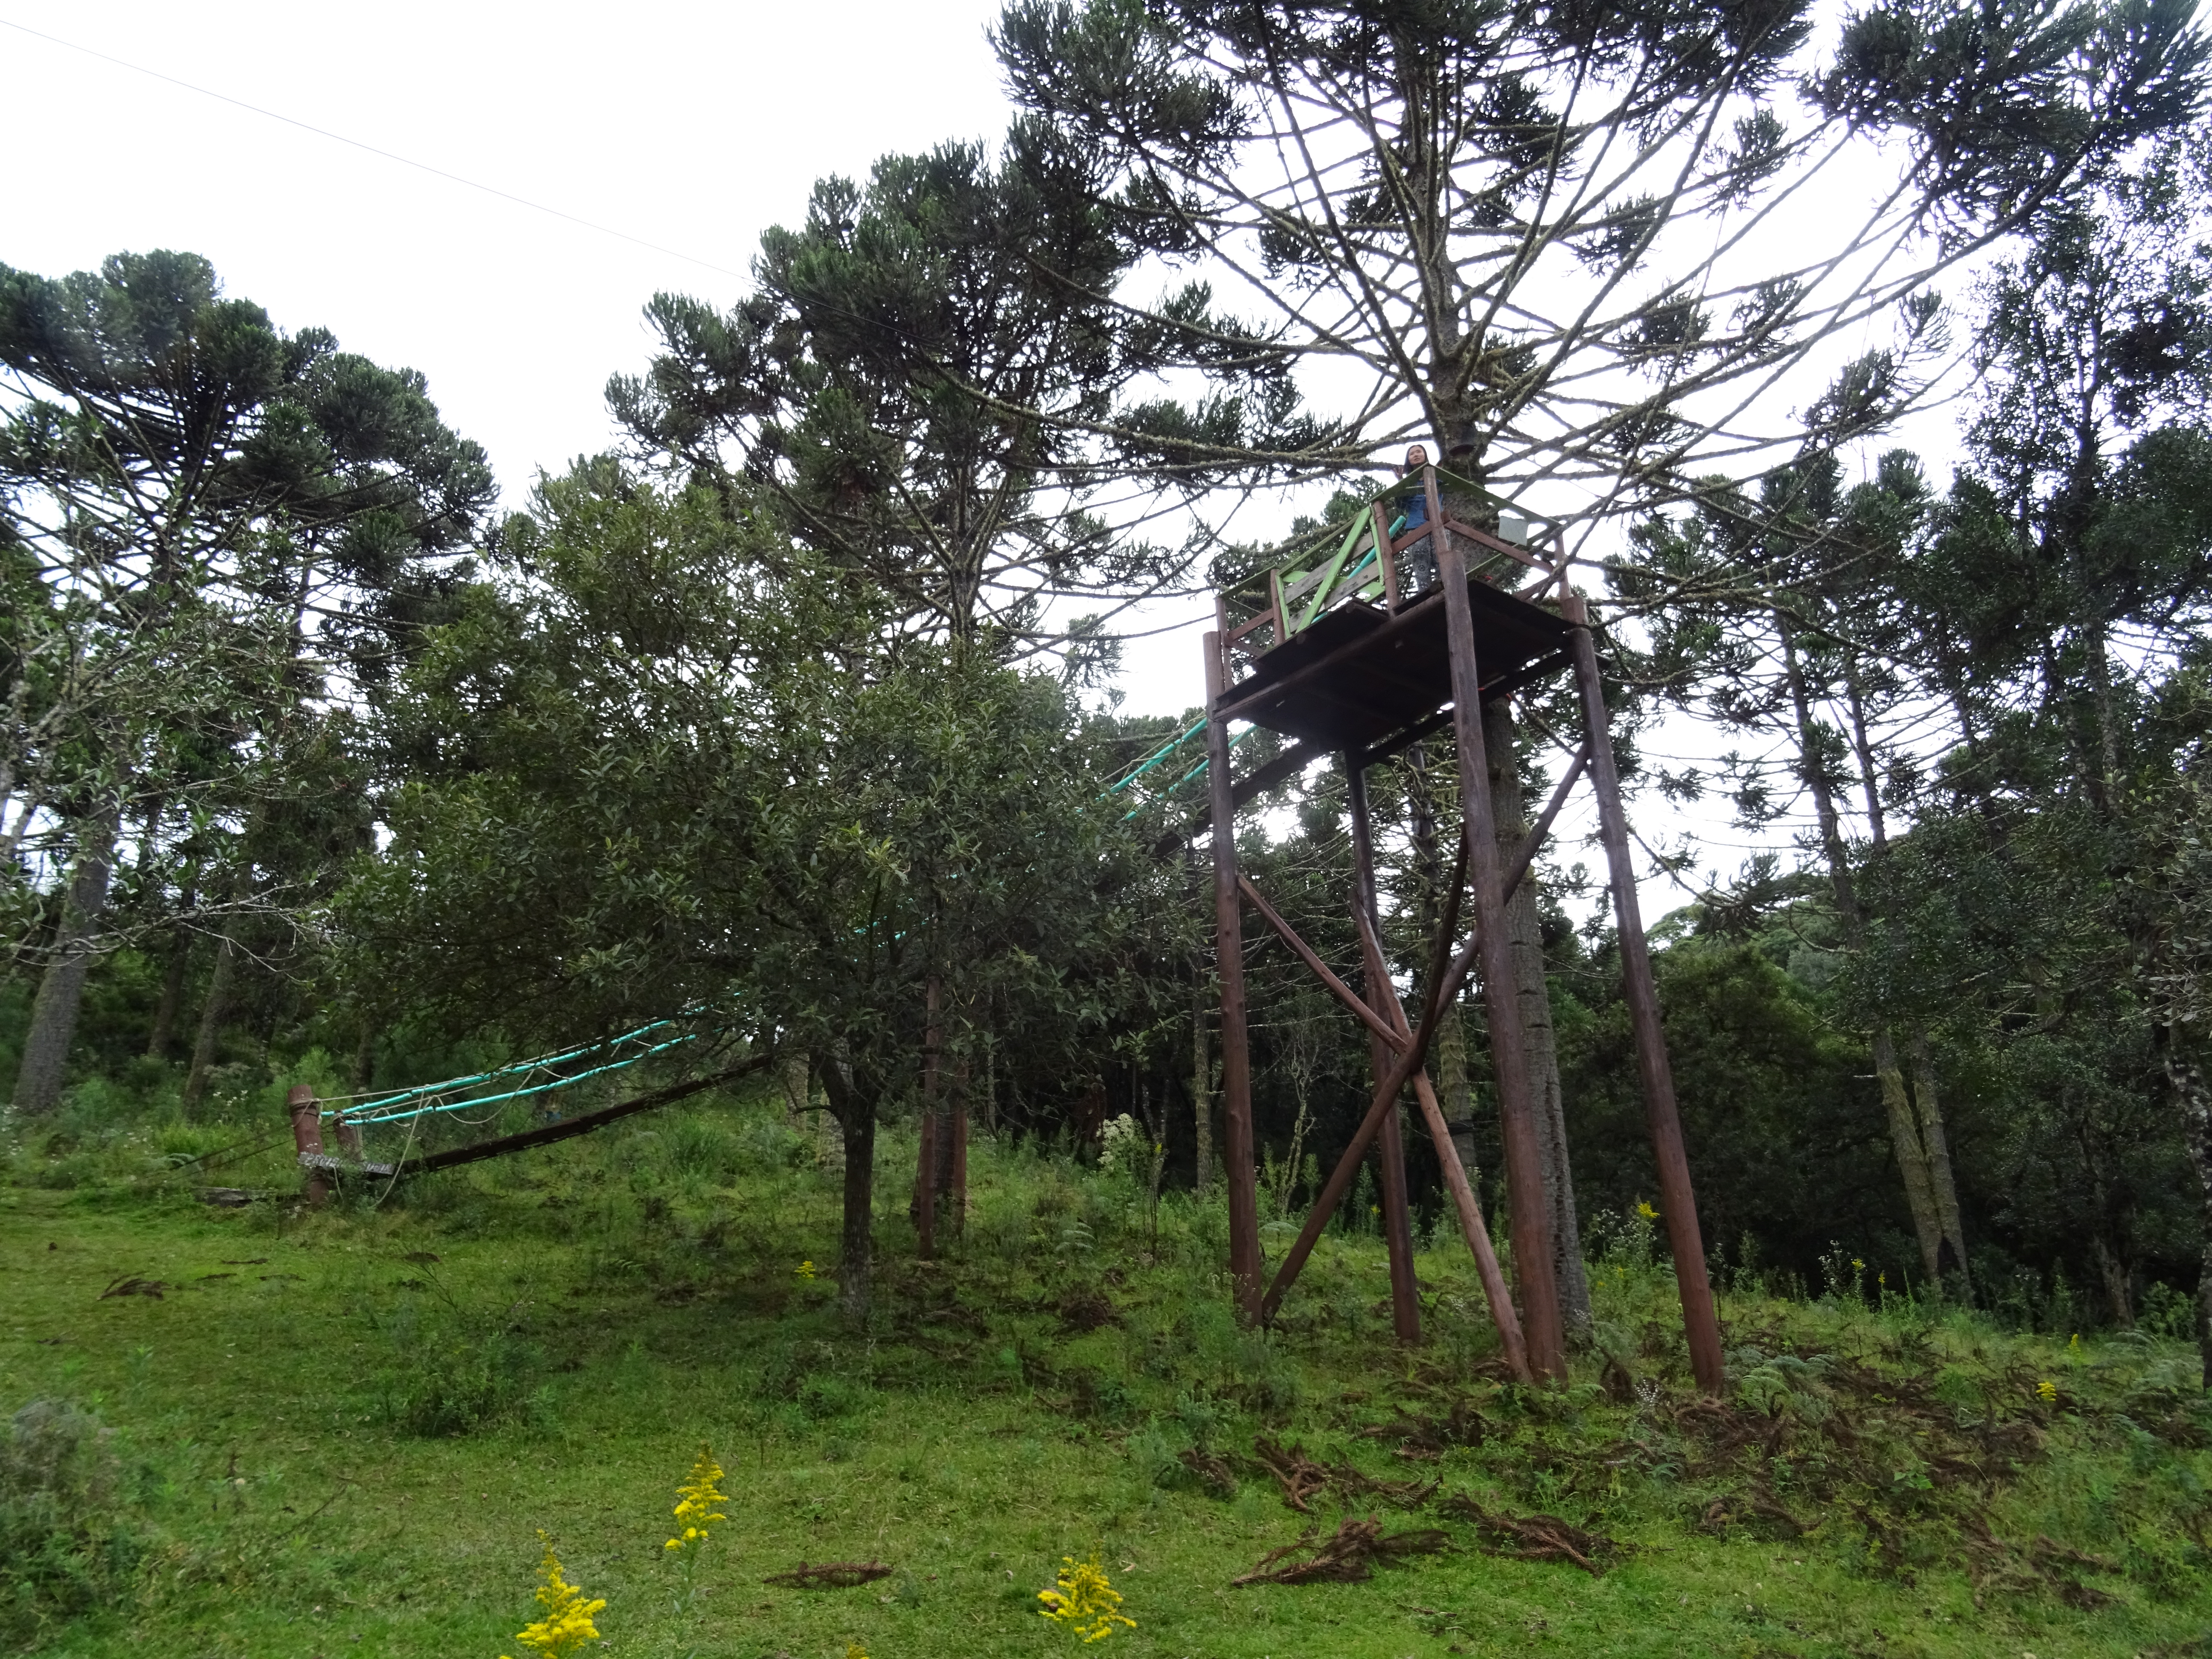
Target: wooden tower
[1413,622]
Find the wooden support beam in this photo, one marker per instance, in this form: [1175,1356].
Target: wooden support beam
[1397,1216]
[1678,1208]
[1304,953]
[1443,985]
[1472,1228]
[1229,961]
[1501,993]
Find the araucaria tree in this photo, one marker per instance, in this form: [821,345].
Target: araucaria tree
[187,495]
[1585,244]
[916,387]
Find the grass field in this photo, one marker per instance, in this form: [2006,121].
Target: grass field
[342,1433]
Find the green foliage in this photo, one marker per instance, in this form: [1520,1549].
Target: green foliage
[69,1542]
[454,1375]
[1000,1413]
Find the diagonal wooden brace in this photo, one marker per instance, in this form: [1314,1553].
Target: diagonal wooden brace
[1443,985]
[1471,1225]
[1304,953]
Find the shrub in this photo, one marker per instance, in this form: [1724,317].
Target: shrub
[450,1380]
[66,1546]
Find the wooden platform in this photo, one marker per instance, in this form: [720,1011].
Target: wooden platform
[1358,674]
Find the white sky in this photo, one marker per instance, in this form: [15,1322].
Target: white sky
[688,125]
[695,126]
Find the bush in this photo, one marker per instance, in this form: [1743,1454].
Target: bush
[450,1380]
[66,1548]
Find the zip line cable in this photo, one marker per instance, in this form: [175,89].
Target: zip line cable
[387,154]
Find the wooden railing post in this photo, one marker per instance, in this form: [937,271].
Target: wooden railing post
[307,1140]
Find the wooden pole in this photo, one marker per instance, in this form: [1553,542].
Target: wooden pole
[1524,1168]
[1236,1152]
[1443,984]
[1678,1205]
[1472,1227]
[308,1140]
[1397,1219]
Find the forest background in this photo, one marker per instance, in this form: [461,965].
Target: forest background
[319,766]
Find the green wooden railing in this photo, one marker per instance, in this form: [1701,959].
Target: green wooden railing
[1377,560]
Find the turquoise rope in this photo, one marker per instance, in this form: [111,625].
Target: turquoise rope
[1156,759]
[356,1117]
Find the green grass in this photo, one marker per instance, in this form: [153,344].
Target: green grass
[597,1310]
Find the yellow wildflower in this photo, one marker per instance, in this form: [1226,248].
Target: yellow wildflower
[805,1270]
[853,1650]
[2075,1346]
[695,1500]
[1644,1209]
[1084,1601]
[567,1623]
[2046,1391]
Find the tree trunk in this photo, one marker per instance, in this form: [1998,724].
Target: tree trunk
[211,1015]
[1524,926]
[2112,1275]
[1933,1141]
[1911,1156]
[1949,1267]
[1449,1052]
[1897,1103]
[856,1111]
[2192,1096]
[364,1055]
[1452,1084]
[61,989]
[172,995]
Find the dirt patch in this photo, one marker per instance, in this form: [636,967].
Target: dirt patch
[829,1575]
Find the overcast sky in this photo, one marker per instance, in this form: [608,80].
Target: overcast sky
[688,126]
[694,126]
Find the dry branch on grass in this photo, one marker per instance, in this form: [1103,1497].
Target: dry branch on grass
[1348,1559]
[1214,1472]
[1425,1439]
[1537,1537]
[130,1287]
[1304,1480]
[829,1575]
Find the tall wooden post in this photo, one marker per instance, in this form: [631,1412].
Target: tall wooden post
[308,1140]
[1390,1144]
[1678,1205]
[1524,1168]
[1229,956]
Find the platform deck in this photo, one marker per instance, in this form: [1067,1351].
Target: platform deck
[1359,674]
